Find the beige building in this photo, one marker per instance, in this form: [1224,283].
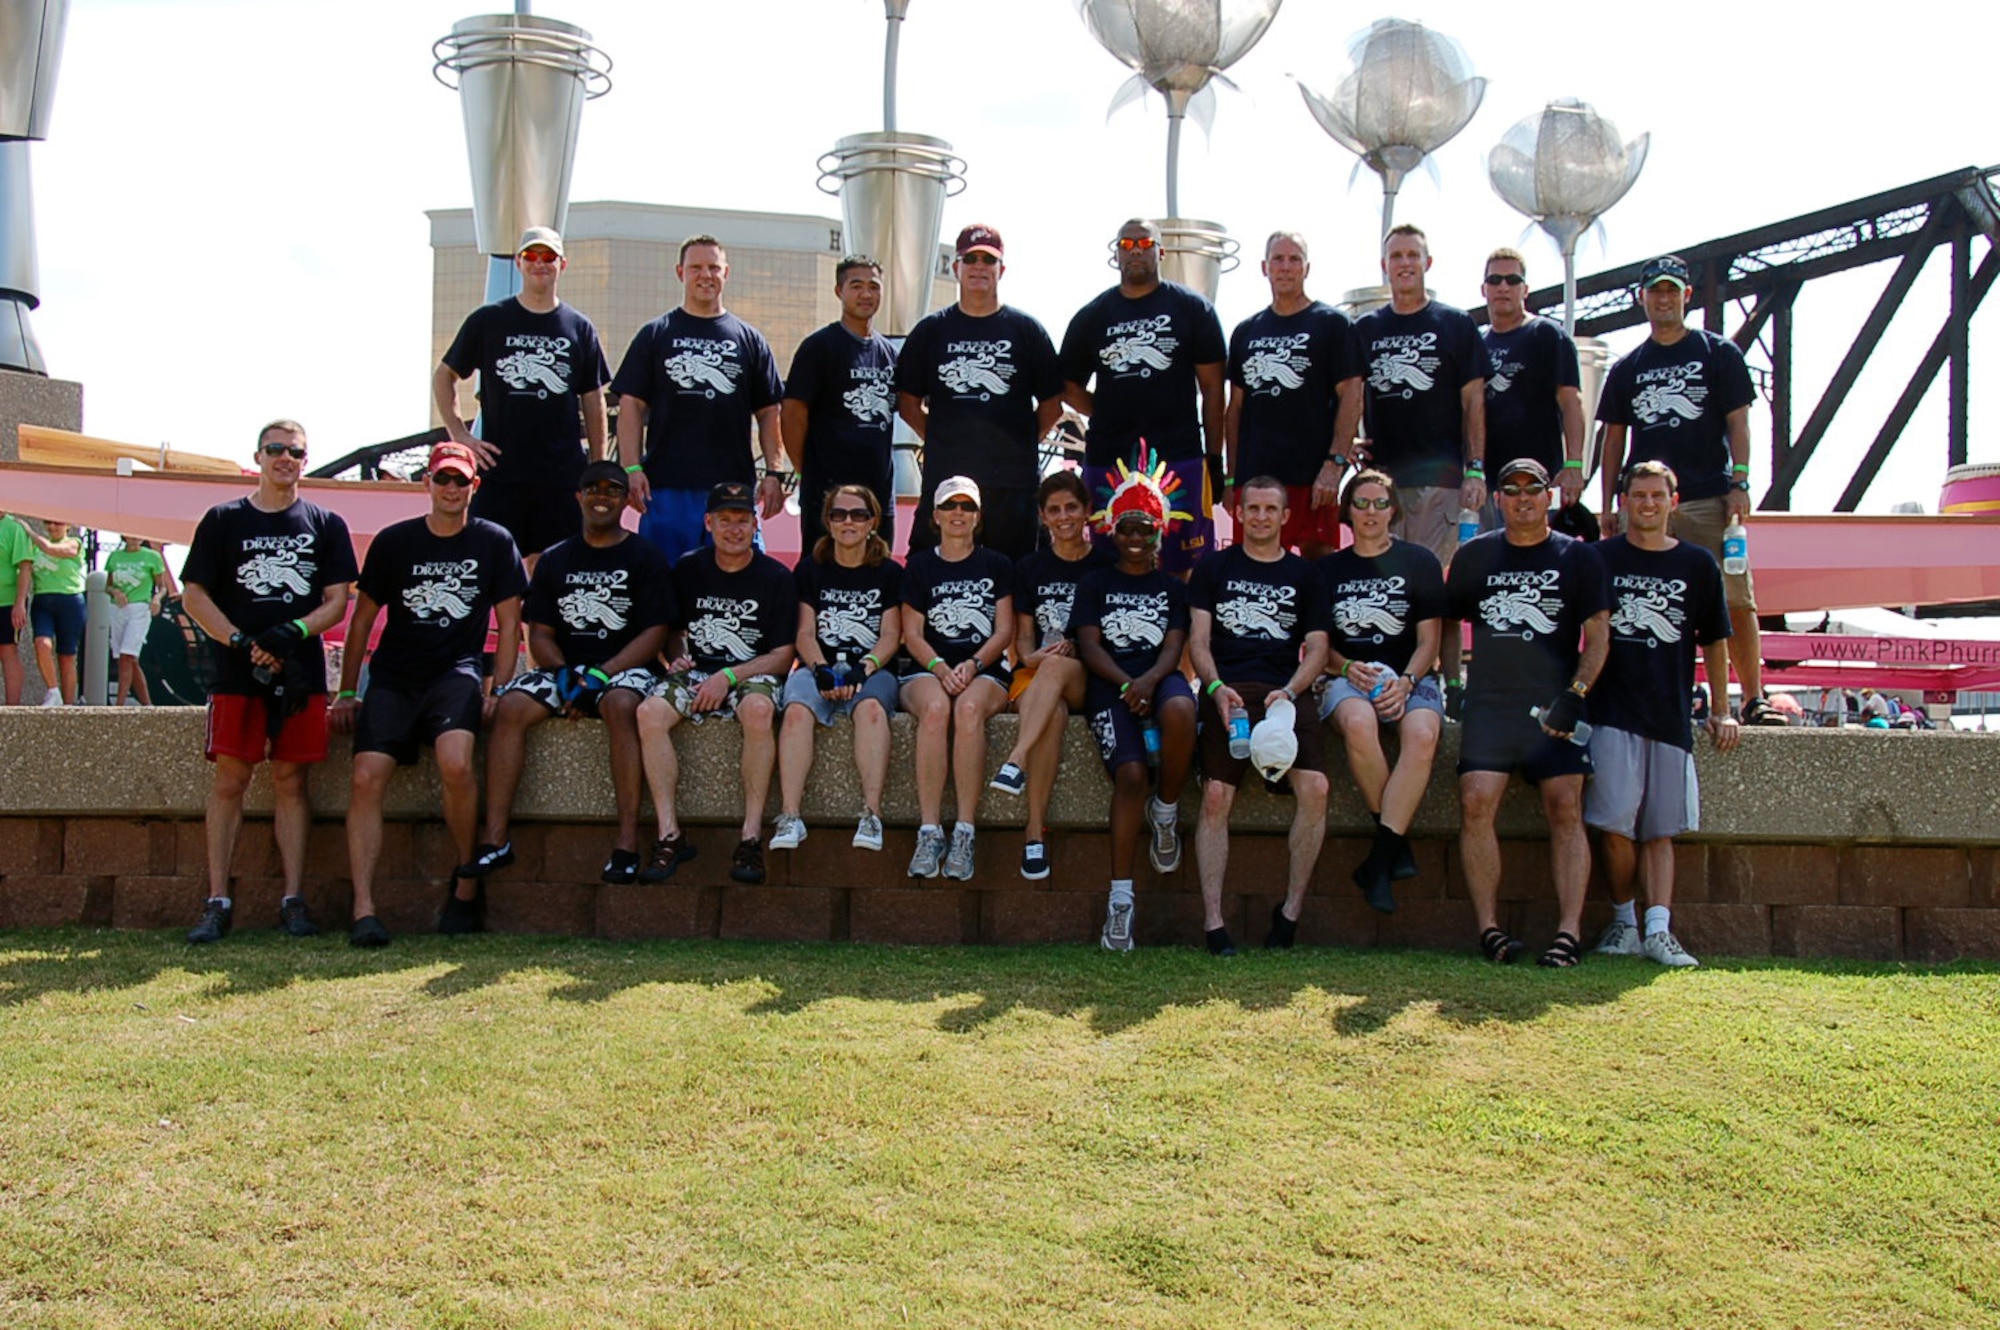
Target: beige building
[621,273]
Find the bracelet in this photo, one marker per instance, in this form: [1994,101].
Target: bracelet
[601,677]
[1476,466]
[1579,687]
[730,674]
[300,624]
[1741,468]
[1573,464]
[872,660]
[634,469]
[935,662]
[1123,687]
[344,695]
[1210,690]
[1345,665]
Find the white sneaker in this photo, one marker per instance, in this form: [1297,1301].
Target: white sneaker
[1117,934]
[868,832]
[1164,849]
[789,831]
[52,698]
[958,863]
[1620,939]
[930,849]
[1665,948]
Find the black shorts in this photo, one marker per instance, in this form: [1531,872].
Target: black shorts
[1506,738]
[397,721]
[1007,520]
[536,515]
[1218,765]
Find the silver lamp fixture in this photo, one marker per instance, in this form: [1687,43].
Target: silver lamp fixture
[1408,92]
[1179,49]
[31,41]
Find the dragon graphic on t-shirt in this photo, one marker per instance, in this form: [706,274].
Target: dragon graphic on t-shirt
[985,375]
[721,635]
[963,610]
[1144,346]
[1373,616]
[1272,371]
[1407,370]
[1133,626]
[704,365]
[536,368]
[269,571]
[867,401]
[593,609]
[1511,607]
[847,623]
[1647,609]
[1252,616]
[1670,395]
[437,599]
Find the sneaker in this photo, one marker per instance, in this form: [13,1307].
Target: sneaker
[958,862]
[1010,779]
[1117,934]
[487,859]
[1283,932]
[1620,939]
[1376,883]
[747,864]
[868,832]
[460,917]
[1757,711]
[1663,947]
[293,918]
[214,925]
[930,852]
[1164,849]
[1454,701]
[1220,943]
[1035,860]
[791,829]
[367,931]
[621,869]
[52,698]
[667,854]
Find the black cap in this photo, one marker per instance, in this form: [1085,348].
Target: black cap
[1523,466]
[593,472]
[1666,268]
[732,494]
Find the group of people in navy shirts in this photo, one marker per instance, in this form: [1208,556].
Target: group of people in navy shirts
[1099,592]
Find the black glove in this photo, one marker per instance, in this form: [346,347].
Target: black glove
[585,683]
[830,677]
[281,639]
[1562,714]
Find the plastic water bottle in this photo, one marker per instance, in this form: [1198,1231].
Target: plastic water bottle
[1735,548]
[1578,736]
[1151,734]
[841,668]
[1239,733]
[1468,524]
[1383,674]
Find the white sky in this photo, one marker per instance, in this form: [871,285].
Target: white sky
[231,201]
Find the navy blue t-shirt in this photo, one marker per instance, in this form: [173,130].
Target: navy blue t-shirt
[533,369]
[1286,367]
[1525,367]
[981,378]
[734,617]
[598,598]
[1378,603]
[436,593]
[848,385]
[1416,366]
[703,381]
[1527,605]
[1132,614]
[1262,613]
[848,603]
[1664,604]
[262,569]
[1143,353]
[1045,587]
[960,601]
[1676,400]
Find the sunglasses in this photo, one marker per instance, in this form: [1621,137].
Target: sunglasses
[456,479]
[1530,489]
[979,256]
[1136,242]
[1144,530]
[958,506]
[540,256]
[851,514]
[1381,505]
[284,450]
[1505,279]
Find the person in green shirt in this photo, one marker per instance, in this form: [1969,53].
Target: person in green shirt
[17,556]
[57,610]
[136,576]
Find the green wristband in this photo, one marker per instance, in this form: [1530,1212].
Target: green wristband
[872,659]
[303,630]
[1123,687]
[935,662]
[634,469]
[344,694]
[1573,464]
[1210,690]
[597,674]
[730,675]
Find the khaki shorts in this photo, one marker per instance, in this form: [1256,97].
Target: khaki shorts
[1702,522]
[1430,518]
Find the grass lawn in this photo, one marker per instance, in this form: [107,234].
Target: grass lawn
[501,1132]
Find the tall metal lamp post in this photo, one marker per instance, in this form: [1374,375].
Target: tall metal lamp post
[31,41]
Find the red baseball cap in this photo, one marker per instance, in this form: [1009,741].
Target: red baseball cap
[450,456]
[981,236]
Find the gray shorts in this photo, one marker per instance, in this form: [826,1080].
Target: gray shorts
[802,690]
[1644,790]
[1424,697]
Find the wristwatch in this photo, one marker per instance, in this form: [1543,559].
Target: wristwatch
[1743,485]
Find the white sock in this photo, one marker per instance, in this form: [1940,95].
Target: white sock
[1657,918]
[1625,912]
[965,827]
[1163,813]
[1121,891]
[930,826]
[223,901]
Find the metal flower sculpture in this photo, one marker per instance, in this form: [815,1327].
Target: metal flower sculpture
[1565,167]
[1178,47]
[1409,91]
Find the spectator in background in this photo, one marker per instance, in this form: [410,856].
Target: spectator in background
[17,571]
[136,577]
[58,610]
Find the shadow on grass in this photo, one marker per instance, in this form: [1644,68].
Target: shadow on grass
[1363,992]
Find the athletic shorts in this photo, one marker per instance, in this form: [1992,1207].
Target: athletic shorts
[237,728]
[1307,524]
[397,722]
[1430,519]
[1120,737]
[802,690]
[542,686]
[58,615]
[1187,539]
[678,690]
[1508,739]
[535,515]
[1702,522]
[1424,697]
[1218,765]
[1643,789]
[131,625]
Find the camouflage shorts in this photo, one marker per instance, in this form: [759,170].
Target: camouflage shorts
[678,690]
[542,686]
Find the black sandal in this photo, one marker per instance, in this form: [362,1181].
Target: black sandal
[1563,953]
[1501,947]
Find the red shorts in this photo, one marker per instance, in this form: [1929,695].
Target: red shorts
[236,729]
[1308,525]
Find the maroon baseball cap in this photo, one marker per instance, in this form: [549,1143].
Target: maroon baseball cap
[981,236]
[453,457]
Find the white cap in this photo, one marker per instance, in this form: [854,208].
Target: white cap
[957,487]
[1274,746]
